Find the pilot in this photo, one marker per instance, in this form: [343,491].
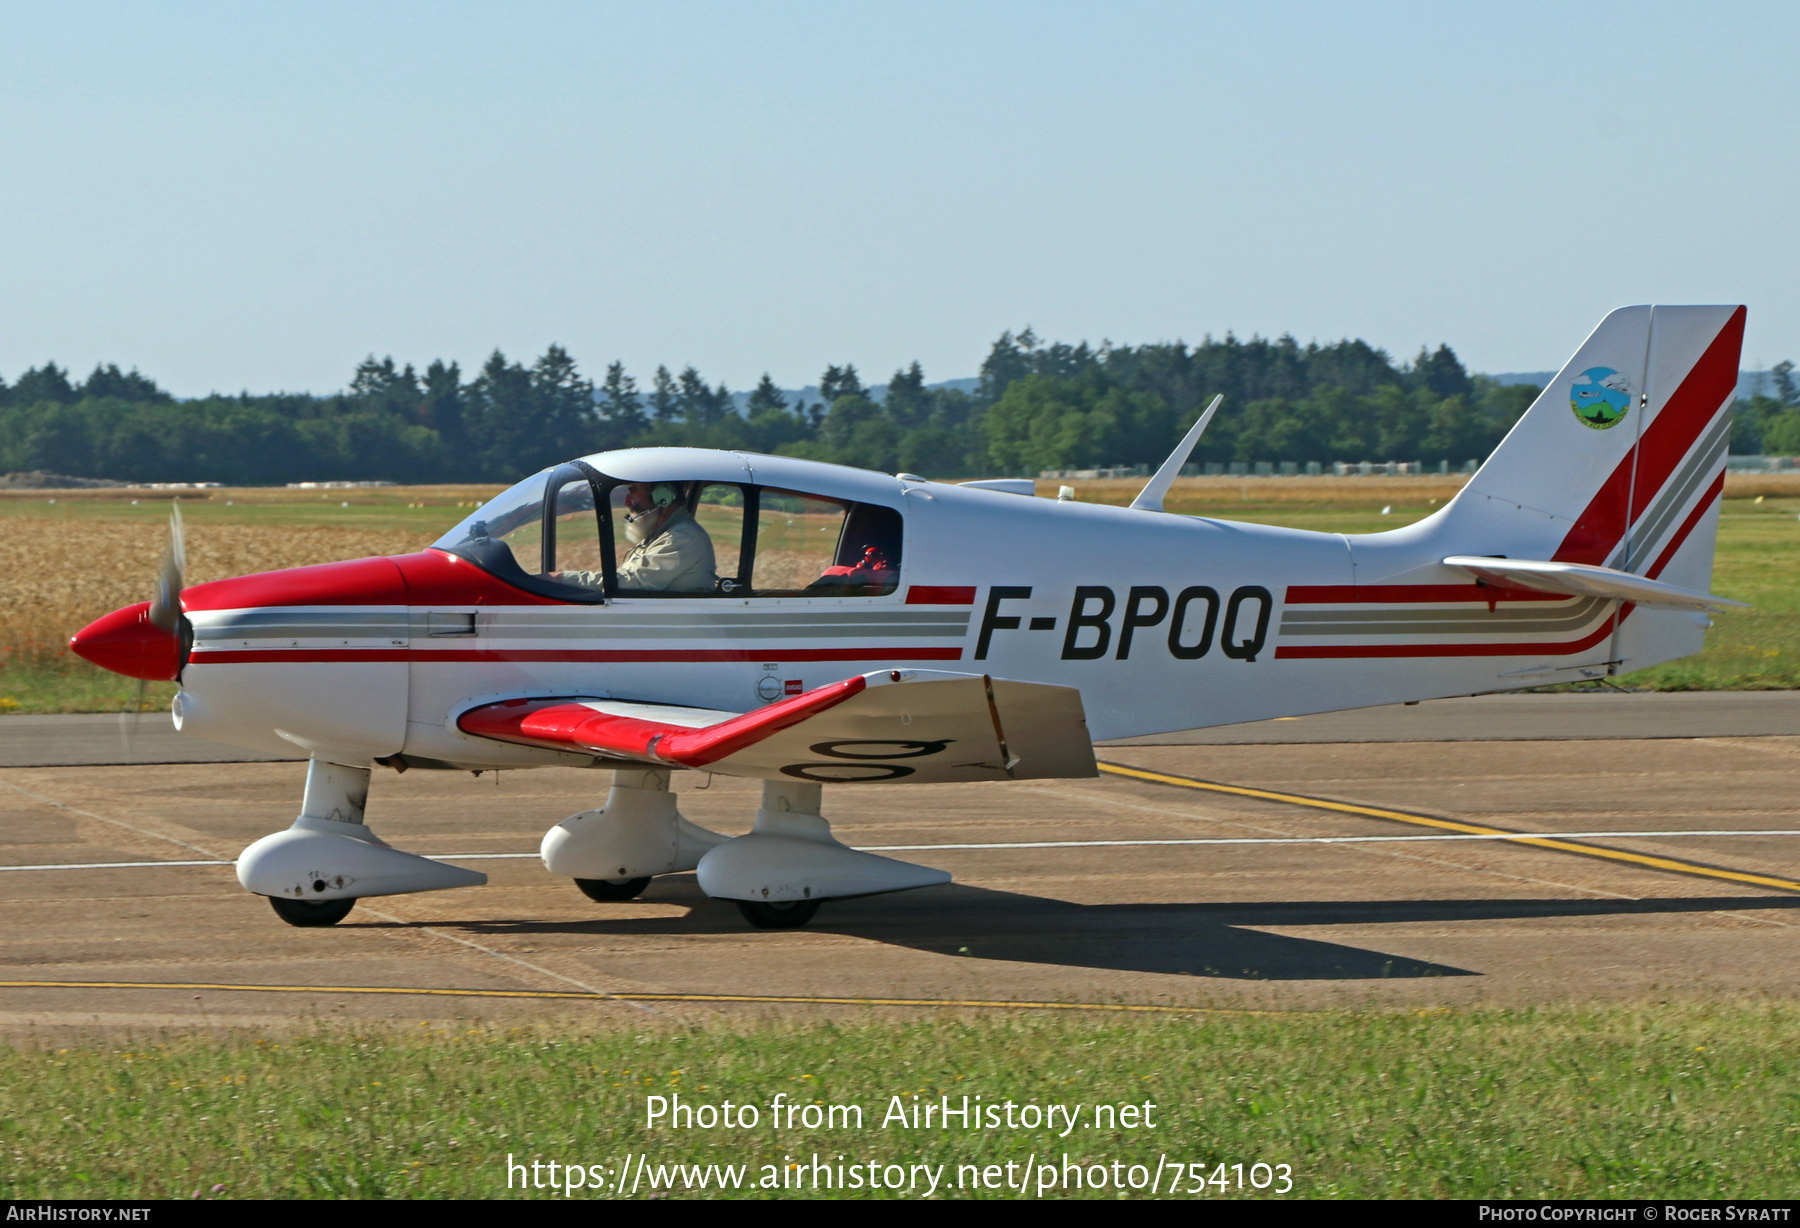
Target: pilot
[670,552]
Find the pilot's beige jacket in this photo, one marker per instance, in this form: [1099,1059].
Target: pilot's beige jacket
[677,560]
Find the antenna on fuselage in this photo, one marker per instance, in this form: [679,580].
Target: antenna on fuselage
[1150,499]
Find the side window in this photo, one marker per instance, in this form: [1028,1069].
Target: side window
[575,544]
[719,509]
[542,535]
[516,521]
[676,537]
[796,540]
[812,545]
[868,557]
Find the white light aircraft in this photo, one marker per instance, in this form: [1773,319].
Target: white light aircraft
[807,624]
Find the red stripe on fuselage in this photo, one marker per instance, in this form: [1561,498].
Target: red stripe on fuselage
[1305,652]
[1404,594]
[1311,652]
[1601,526]
[237,656]
[940,594]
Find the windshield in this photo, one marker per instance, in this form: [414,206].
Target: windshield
[514,519]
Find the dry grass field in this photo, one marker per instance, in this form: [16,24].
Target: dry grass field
[68,557]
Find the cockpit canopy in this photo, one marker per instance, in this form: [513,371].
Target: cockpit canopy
[576,534]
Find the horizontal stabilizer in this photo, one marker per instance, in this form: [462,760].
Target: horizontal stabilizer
[922,726]
[1587,580]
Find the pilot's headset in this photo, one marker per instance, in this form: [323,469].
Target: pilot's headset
[663,495]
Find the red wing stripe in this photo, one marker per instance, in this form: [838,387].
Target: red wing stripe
[1678,424]
[563,725]
[699,747]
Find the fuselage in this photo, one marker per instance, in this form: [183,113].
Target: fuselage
[1163,622]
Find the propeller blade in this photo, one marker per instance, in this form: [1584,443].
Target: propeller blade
[165,606]
[128,722]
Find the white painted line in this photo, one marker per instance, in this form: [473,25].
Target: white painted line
[121,865]
[1523,835]
[1066,844]
[481,856]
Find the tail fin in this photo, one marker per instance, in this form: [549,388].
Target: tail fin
[1622,455]
[1619,464]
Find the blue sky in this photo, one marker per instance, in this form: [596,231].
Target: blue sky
[257,195]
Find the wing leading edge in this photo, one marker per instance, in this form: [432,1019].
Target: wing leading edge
[922,726]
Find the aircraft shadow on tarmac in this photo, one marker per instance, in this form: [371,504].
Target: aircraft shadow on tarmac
[1203,940]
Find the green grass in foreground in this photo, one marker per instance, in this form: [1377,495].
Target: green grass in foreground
[69,684]
[1677,1101]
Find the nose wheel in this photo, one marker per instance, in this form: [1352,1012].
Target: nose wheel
[789,915]
[612,890]
[307,913]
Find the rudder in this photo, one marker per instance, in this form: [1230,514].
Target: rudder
[1617,461]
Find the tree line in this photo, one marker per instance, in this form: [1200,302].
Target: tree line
[1768,423]
[1038,405]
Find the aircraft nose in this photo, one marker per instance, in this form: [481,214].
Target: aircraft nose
[127,642]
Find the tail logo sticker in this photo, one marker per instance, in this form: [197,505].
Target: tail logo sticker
[1600,397]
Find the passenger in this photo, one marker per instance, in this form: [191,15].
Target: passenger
[670,552]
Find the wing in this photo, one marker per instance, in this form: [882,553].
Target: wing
[921,726]
[1587,580]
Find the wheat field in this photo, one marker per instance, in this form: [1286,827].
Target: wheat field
[61,576]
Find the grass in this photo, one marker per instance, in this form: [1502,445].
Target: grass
[71,560]
[1681,1100]
[70,557]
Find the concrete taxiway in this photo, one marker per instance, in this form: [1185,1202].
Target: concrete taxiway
[1149,886]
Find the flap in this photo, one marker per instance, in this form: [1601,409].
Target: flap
[1587,580]
[923,726]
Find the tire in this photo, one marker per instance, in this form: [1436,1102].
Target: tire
[307,914]
[612,890]
[786,916]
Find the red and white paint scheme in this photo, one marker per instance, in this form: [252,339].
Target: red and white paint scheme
[862,627]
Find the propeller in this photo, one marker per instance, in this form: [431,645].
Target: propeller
[165,606]
[165,613]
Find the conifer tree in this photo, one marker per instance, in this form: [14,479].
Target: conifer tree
[621,405]
[766,398]
[665,405]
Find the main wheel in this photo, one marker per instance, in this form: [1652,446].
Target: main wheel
[306,913]
[789,915]
[612,890]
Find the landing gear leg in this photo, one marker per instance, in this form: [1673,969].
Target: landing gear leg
[314,872]
[613,852]
[790,862]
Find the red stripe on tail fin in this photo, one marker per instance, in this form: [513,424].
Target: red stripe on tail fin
[1601,526]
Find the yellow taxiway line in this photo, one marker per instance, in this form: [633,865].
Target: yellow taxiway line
[1671,864]
[575,996]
